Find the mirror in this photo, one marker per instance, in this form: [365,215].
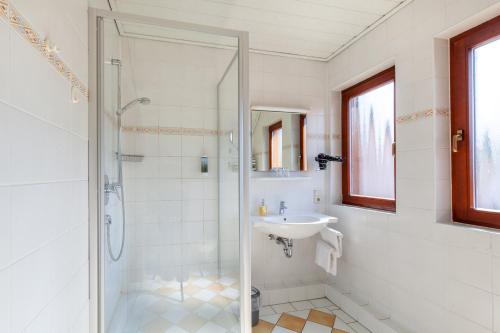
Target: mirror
[278,139]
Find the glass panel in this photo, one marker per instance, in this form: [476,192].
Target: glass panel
[228,223]
[163,98]
[372,136]
[486,129]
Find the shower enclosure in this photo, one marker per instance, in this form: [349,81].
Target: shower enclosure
[169,174]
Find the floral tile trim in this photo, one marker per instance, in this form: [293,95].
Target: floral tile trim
[173,130]
[422,114]
[21,25]
[191,131]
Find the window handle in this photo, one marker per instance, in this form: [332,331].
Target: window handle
[459,136]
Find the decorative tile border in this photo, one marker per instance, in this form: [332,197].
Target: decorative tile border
[173,131]
[192,131]
[422,114]
[317,136]
[21,25]
[443,112]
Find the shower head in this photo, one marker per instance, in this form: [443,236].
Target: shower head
[141,100]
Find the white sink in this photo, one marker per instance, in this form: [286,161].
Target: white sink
[292,226]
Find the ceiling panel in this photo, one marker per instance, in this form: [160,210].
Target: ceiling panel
[314,29]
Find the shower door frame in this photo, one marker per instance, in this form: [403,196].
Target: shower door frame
[96,172]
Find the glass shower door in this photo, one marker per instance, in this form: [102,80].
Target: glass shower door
[170,123]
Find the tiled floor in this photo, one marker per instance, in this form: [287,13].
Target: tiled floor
[313,316]
[210,305]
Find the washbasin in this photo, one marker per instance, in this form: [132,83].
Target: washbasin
[292,226]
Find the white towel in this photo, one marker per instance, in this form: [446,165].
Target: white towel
[334,238]
[334,241]
[324,255]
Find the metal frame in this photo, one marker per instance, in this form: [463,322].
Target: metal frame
[96,43]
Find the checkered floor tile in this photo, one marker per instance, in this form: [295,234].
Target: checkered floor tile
[313,316]
[210,305]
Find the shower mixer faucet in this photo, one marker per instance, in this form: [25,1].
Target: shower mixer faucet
[111,187]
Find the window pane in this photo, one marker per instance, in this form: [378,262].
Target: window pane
[277,144]
[486,127]
[372,136]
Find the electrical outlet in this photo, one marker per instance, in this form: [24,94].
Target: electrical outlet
[316,197]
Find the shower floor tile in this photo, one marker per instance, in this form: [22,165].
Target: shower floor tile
[209,306]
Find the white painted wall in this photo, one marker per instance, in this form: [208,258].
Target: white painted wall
[43,176]
[287,82]
[429,276]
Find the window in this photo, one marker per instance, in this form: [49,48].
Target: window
[368,171]
[475,124]
[275,145]
[302,144]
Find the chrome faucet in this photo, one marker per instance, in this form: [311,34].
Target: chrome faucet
[282,207]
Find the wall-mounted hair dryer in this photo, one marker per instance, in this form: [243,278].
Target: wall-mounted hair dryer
[323,159]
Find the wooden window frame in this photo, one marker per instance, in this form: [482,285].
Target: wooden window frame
[303,153]
[461,46]
[388,75]
[272,128]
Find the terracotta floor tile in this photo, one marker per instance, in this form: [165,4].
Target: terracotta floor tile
[191,303]
[220,301]
[338,331]
[165,291]
[216,287]
[263,327]
[191,290]
[321,318]
[291,322]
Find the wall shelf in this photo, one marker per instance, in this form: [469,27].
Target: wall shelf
[269,178]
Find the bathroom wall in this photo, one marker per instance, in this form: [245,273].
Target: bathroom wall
[414,265]
[172,208]
[43,173]
[289,82]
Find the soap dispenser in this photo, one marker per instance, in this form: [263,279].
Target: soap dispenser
[262,208]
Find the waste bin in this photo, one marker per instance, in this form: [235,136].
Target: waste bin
[255,305]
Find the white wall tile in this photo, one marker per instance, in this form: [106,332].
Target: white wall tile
[477,272]
[170,167]
[192,146]
[460,324]
[448,265]
[193,189]
[496,313]
[5,300]
[5,227]
[192,210]
[496,275]
[5,61]
[170,116]
[495,239]
[170,145]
